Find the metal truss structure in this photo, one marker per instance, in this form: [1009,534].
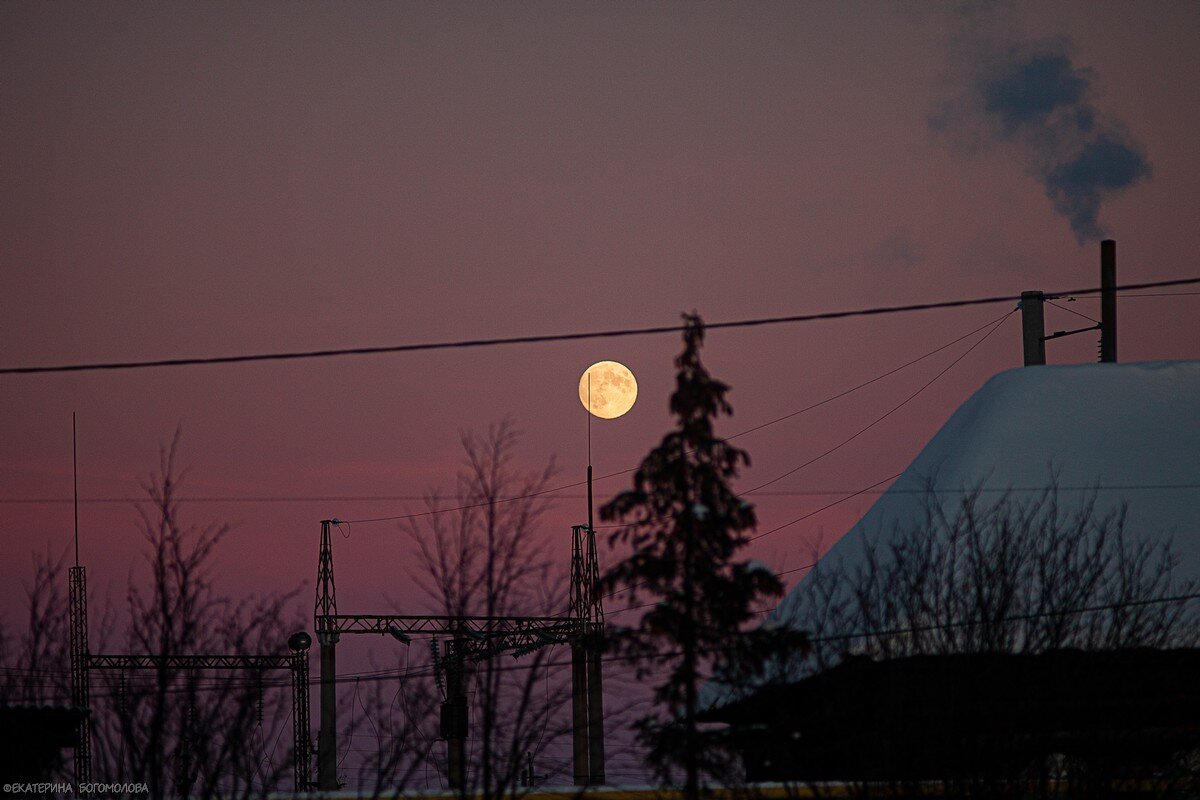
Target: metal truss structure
[295,662]
[190,662]
[80,694]
[83,663]
[475,638]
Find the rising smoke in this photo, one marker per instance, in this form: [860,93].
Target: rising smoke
[1033,97]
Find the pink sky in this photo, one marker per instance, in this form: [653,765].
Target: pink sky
[210,179]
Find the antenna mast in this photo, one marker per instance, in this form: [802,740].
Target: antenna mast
[586,606]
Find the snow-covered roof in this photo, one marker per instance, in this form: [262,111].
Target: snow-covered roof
[1131,432]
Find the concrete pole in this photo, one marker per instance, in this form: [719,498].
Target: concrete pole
[456,757]
[595,710]
[579,713]
[327,738]
[1108,302]
[1033,328]
[454,720]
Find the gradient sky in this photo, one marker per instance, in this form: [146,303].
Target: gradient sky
[210,179]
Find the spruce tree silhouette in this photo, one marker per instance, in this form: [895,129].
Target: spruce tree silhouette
[685,527]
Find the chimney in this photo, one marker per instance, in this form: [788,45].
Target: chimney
[1108,302]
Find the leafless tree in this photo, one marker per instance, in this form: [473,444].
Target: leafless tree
[192,732]
[198,733]
[35,667]
[1011,575]
[396,716]
[489,559]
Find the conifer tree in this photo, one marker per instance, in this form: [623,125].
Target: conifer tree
[685,527]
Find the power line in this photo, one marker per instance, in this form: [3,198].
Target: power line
[383,675]
[825,507]
[995,325]
[559,337]
[1099,487]
[1095,296]
[864,384]
[778,528]
[1179,598]
[385,498]
[779,574]
[818,404]
[1073,311]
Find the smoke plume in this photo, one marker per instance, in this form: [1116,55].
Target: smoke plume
[1033,97]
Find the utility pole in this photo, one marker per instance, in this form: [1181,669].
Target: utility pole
[1033,328]
[455,719]
[1033,333]
[580,758]
[595,689]
[1108,302]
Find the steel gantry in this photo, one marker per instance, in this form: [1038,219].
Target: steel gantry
[83,663]
[296,662]
[474,638]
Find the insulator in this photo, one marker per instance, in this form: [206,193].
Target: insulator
[437,666]
[258,685]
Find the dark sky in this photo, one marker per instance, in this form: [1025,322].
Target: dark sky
[208,179]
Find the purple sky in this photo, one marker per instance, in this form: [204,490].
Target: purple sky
[209,179]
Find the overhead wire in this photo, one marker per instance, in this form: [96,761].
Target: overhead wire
[760,495]
[384,498]
[864,384]
[758,427]
[555,489]
[788,524]
[1180,597]
[823,492]
[825,507]
[779,574]
[994,326]
[563,337]
[1072,311]
[1095,295]
[861,634]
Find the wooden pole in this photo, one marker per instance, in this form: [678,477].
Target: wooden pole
[1033,328]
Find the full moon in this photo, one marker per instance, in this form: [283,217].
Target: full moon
[613,389]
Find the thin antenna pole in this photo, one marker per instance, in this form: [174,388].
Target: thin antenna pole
[75,482]
[589,434]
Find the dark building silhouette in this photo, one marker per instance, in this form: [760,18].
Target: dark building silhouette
[32,740]
[1121,713]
